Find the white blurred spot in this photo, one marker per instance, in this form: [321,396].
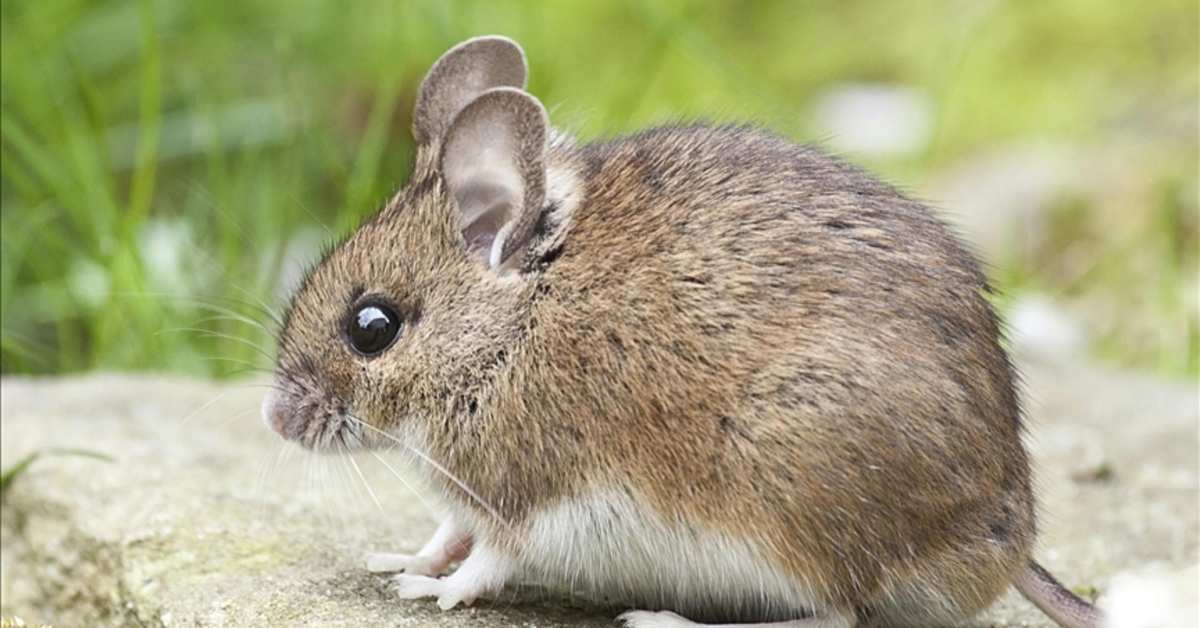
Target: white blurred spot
[1153,599]
[1040,329]
[302,252]
[165,245]
[877,119]
[89,282]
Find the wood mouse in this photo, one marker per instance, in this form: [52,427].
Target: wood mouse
[700,370]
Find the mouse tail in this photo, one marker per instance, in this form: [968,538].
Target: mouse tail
[1055,600]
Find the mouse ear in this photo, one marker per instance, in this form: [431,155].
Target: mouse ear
[461,75]
[494,163]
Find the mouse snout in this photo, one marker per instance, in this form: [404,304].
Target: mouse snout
[309,422]
[274,412]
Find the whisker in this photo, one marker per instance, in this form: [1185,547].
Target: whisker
[260,480]
[272,317]
[285,458]
[208,333]
[367,485]
[239,416]
[249,385]
[203,256]
[354,493]
[221,269]
[222,316]
[268,470]
[250,367]
[207,302]
[207,404]
[310,467]
[407,484]
[311,214]
[323,481]
[444,471]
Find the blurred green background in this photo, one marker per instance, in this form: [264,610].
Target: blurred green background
[168,165]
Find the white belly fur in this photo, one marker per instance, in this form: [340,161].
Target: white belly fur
[606,548]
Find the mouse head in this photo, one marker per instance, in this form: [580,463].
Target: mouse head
[405,322]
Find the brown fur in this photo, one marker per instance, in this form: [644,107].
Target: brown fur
[738,332]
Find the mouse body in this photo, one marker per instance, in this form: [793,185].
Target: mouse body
[700,371]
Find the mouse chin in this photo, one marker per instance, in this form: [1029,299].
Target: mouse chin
[317,427]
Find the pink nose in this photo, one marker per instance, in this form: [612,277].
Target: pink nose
[273,412]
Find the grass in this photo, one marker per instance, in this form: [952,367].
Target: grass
[167,167]
[7,476]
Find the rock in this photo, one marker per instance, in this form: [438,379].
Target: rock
[205,518]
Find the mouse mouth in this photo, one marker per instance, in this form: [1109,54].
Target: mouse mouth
[316,424]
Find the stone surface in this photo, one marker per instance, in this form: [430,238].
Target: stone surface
[204,518]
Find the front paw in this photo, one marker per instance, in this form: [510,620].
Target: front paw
[413,587]
[447,591]
[403,563]
[651,619]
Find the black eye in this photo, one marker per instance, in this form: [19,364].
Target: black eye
[373,328]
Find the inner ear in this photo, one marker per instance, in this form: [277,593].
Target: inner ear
[484,210]
[493,162]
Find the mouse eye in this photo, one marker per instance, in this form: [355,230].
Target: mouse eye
[373,328]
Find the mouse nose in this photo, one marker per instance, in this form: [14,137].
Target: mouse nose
[273,412]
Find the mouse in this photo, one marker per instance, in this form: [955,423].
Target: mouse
[700,371]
